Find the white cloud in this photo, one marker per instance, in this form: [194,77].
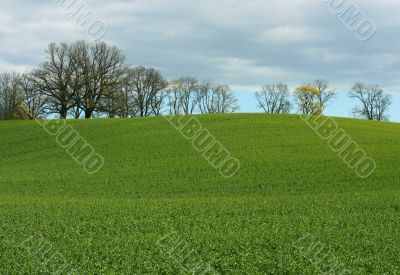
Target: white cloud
[242,43]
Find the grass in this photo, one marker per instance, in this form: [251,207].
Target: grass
[154,183]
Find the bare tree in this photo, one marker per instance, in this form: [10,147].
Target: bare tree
[100,69]
[274,99]
[187,88]
[383,102]
[148,85]
[215,98]
[34,99]
[11,96]
[226,101]
[113,103]
[374,102]
[325,94]
[174,98]
[76,110]
[56,79]
[206,97]
[159,102]
[126,89]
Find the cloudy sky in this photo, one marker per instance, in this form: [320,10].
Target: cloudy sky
[246,44]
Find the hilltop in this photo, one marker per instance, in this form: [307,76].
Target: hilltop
[290,185]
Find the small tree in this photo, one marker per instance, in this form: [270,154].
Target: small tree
[56,79]
[206,97]
[226,101]
[274,99]
[216,98]
[187,88]
[307,98]
[33,99]
[113,103]
[148,94]
[11,97]
[325,94]
[374,102]
[174,97]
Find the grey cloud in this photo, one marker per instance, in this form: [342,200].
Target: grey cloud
[242,43]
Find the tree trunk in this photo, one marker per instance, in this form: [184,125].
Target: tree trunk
[88,113]
[63,113]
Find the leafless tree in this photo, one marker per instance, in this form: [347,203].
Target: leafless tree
[174,97]
[158,102]
[76,110]
[325,94]
[34,100]
[187,88]
[56,79]
[374,102]
[206,97]
[126,88]
[226,100]
[148,87]
[383,102]
[11,96]
[216,98]
[113,104]
[274,99]
[100,69]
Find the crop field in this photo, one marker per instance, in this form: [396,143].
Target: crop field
[158,207]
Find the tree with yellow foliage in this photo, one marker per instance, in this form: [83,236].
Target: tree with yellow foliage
[307,98]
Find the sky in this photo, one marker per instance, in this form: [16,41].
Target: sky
[246,44]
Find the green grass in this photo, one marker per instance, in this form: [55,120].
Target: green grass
[153,183]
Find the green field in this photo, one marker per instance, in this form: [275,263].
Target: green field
[153,183]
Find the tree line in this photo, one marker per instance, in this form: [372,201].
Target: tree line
[313,98]
[93,80]
[86,80]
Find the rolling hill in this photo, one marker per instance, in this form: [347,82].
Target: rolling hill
[292,200]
